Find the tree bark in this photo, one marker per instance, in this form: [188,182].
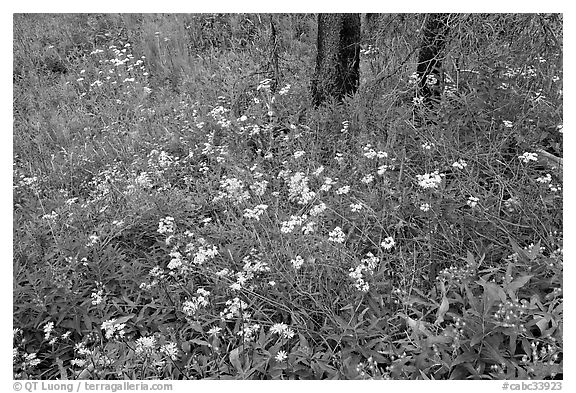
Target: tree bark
[337,71]
[430,58]
[274,56]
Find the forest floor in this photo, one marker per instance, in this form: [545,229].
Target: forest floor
[176,216]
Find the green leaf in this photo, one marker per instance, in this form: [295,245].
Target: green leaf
[470,258]
[235,359]
[464,358]
[471,298]
[476,339]
[200,342]
[444,306]
[492,294]
[518,283]
[124,319]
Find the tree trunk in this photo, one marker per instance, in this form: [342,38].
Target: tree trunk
[338,60]
[274,57]
[430,58]
[369,27]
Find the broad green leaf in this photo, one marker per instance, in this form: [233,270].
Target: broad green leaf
[235,359]
[444,306]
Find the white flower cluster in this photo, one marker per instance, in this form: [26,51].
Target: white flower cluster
[204,253]
[512,203]
[336,235]
[248,331]
[145,345]
[427,145]
[218,113]
[285,89]
[234,308]
[370,153]
[460,164]
[318,171]
[48,328]
[288,226]
[252,266]
[328,183]
[382,169]
[472,201]
[297,262]
[343,190]
[143,181]
[429,180]
[317,209]
[388,243]
[431,80]
[176,261]
[365,267]
[113,329]
[282,329]
[98,295]
[298,189]
[259,187]
[93,239]
[256,212]
[165,159]
[50,217]
[264,85]
[170,350]
[298,154]
[544,179]
[308,228]
[527,157]
[355,207]
[157,274]
[166,225]
[367,179]
[233,190]
[189,307]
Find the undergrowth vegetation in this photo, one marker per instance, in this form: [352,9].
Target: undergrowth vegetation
[178,216]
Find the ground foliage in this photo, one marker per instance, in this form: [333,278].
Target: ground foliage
[174,217]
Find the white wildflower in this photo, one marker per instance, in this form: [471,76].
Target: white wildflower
[460,164]
[336,235]
[214,331]
[388,243]
[427,145]
[48,328]
[317,209]
[297,262]
[343,190]
[367,179]
[527,157]
[544,179]
[318,171]
[355,207]
[472,201]
[429,180]
[281,356]
[299,154]
[256,212]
